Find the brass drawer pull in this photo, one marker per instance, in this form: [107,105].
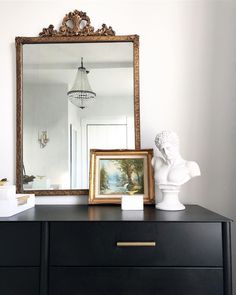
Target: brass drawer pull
[136,244]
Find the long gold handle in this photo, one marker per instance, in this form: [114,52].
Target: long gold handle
[136,244]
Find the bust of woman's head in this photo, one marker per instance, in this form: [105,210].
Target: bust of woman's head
[167,143]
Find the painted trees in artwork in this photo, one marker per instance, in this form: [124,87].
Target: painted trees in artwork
[103,179]
[132,172]
[138,170]
[126,167]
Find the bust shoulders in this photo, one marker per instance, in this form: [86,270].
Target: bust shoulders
[193,168]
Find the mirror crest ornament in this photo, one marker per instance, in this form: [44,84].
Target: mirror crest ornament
[77,23]
[75,28]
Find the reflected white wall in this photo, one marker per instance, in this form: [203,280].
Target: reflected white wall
[45,107]
[107,112]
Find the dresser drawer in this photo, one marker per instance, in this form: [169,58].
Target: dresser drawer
[19,281]
[135,281]
[172,244]
[20,244]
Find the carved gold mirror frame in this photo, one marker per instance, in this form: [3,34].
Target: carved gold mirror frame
[75,28]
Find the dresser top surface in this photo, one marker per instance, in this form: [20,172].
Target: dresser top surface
[193,213]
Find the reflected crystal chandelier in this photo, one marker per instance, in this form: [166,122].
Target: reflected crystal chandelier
[81,91]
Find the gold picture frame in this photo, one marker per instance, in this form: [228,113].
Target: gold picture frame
[120,172]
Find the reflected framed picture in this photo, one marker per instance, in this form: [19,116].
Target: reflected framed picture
[114,173]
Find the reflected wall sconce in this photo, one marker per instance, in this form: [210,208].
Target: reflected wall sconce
[43,138]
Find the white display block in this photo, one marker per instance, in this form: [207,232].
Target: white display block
[12,207]
[134,202]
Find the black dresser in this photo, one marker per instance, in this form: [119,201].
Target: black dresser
[82,250]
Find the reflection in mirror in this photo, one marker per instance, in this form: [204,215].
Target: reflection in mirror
[58,133]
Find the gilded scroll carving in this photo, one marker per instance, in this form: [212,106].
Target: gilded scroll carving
[77,23]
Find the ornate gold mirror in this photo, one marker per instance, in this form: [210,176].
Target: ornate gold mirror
[77,89]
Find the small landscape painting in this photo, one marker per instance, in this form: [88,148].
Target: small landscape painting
[116,173]
[121,176]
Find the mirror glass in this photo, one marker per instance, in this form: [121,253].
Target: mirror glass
[57,134]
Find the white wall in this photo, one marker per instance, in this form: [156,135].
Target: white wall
[187,80]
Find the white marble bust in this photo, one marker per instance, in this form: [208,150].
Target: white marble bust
[171,170]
